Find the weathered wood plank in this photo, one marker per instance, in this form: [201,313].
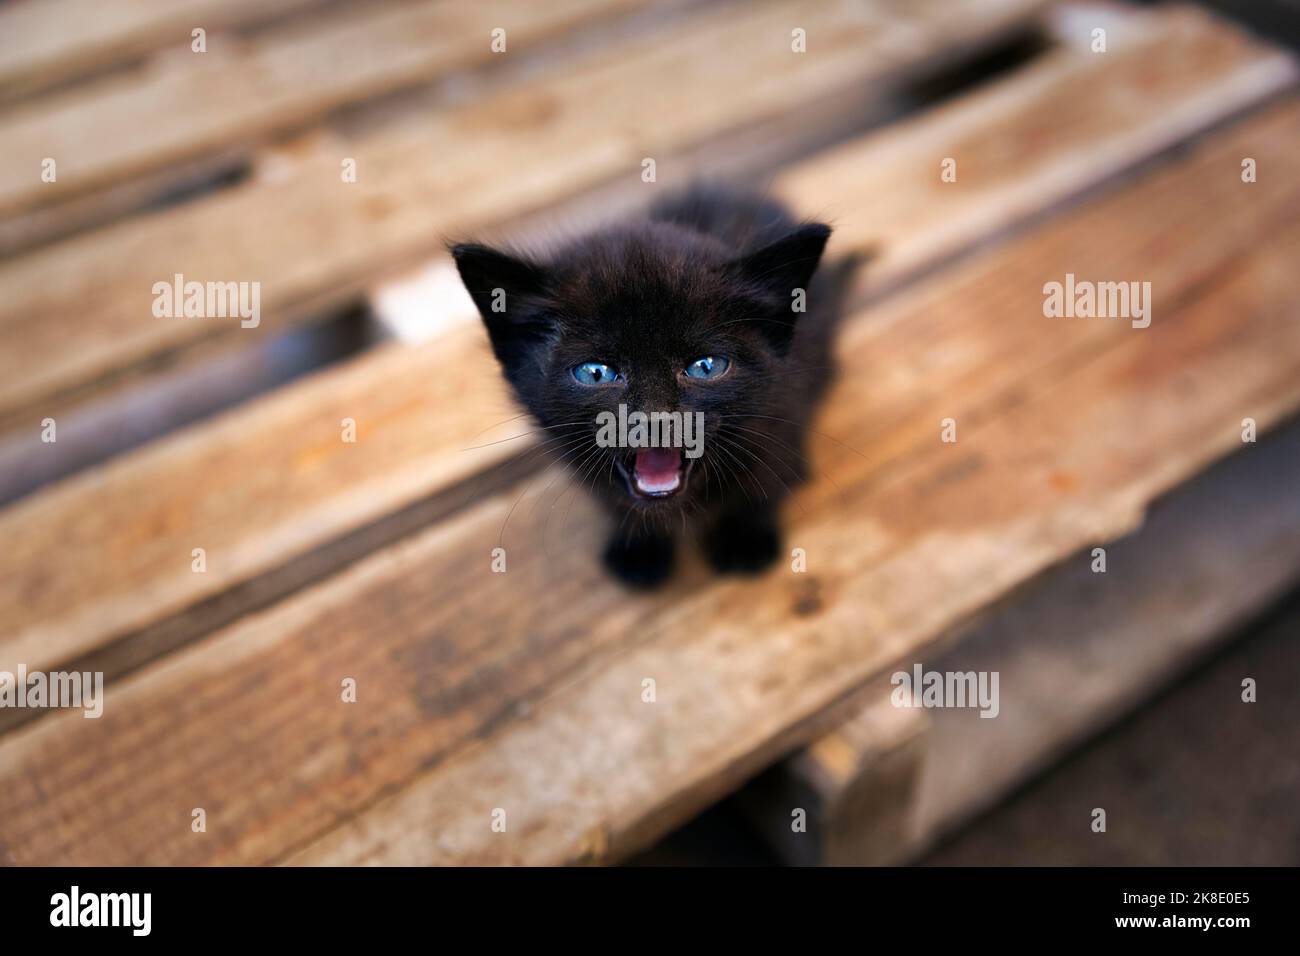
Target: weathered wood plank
[1074,653]
[311,239]
[80,577]
[444,651]
[237,95]
[46,42]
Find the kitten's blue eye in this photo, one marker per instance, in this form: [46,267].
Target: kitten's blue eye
[709,366]
[594,373]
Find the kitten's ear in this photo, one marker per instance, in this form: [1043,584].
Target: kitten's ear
[781,267]
[508,292]
[493,278]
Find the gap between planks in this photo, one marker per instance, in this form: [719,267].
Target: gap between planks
[212,110]
[44,43]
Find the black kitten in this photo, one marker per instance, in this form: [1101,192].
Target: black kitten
[706,305]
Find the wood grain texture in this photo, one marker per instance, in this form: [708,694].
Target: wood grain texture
[46,42]
[78,312]
[1022,144]
[80,576]
[481,690]
[238,94]
[1074,653]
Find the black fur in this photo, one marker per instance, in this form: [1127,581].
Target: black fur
[709,272]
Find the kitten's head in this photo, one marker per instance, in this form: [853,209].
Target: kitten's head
[655,318]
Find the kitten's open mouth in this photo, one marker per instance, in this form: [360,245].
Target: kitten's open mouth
[656,472]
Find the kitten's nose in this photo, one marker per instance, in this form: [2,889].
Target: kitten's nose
[649,403]
[652,394]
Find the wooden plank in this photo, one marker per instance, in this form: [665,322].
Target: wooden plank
[143,558]
[1074,654]
[47,42]
[468,655]
[237,95]
[84,577]
[312,240]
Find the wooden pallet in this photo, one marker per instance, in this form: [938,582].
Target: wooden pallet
[328,560]
[1076,651]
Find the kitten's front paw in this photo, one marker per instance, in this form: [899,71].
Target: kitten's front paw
[743,544]
[641,562]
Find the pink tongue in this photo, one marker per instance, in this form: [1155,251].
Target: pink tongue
[658,469]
